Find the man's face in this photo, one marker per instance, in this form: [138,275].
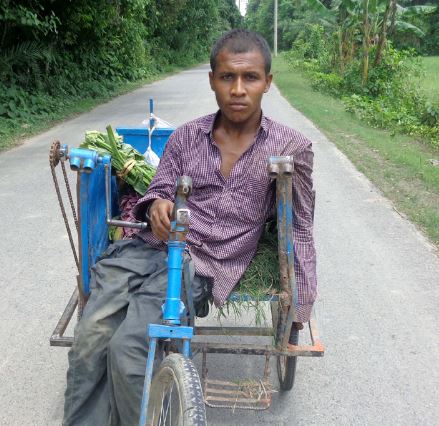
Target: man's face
[239,82]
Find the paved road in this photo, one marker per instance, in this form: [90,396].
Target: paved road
[378,279]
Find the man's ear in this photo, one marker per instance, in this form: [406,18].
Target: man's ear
[211,80]
[268,80]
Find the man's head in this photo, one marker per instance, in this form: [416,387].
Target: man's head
[240,75]
[241,41]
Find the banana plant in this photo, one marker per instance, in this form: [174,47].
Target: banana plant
[366,22]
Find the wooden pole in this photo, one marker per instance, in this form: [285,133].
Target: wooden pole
[275,28]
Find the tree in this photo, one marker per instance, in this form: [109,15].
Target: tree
[371,21]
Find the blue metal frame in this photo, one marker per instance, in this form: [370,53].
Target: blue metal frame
[94,229]
[156,332]
[94,240]
[173,307]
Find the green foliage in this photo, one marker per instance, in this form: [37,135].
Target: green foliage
[30,16]
[430,43]
[259,18]
[129,164]
[54,53]
[312,44]
[390,98]
[400,166]
[313,53]
[430,114]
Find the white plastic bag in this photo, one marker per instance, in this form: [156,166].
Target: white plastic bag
[150,156]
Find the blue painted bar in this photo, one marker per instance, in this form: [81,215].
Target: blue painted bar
[170,332]
[172,306]
[147,382]
[291,255]
[151,111]
[186,348]
[92,214]
[83,159]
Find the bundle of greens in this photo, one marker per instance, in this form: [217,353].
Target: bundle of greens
[129,164]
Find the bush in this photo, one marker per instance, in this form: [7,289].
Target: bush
[311,47]
[396,116]
[391,97]
[329,83]
[430,114]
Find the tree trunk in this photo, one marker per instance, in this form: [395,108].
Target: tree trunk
[340,50]
[383,36]
[366,42]
[392,17]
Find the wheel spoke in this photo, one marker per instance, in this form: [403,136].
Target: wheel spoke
[161,406]
[168,384]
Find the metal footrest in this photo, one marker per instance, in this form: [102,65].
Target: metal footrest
[245,394]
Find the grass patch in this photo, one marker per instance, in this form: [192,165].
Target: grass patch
[399,165]
[431,81]
[12,132]
[261,279]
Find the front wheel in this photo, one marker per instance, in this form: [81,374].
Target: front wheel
[176,397]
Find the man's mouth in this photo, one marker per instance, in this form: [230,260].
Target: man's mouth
[237,106]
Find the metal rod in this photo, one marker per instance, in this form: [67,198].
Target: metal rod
[57,338]
[203,372]
[267,368]
[248,349]
[147,383]
[125,224]
[186,348]
[287,182]
[238,400]
[275,28]
[234,331]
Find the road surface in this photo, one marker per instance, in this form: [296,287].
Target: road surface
[378,283]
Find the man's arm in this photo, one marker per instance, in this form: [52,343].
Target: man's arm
[303,207]
[159,198]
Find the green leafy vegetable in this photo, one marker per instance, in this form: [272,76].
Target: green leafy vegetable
[127,161]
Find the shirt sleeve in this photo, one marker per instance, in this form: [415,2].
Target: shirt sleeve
[164,181]
[305,254]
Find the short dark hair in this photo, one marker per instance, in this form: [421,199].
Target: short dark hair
[241,41]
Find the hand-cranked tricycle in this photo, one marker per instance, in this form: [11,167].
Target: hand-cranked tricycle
[175,394]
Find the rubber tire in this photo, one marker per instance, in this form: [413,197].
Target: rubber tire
[286,365]
[181,370]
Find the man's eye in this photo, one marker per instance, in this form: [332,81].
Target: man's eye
[252,77]
[227,77]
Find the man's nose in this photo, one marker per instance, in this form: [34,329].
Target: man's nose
[238,88]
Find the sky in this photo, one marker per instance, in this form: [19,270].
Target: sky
[243,5]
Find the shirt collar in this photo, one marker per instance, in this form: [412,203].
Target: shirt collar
[207,124]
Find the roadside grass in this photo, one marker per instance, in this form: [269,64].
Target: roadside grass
[398,165]
[14,133]
[430,82]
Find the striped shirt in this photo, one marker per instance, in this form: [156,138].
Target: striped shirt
[227,215]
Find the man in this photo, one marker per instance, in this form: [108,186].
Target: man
[226,155]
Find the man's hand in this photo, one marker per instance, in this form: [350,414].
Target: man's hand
[159,215]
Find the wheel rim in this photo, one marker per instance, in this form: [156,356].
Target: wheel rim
[283,362]
[281,366]
[166,407]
